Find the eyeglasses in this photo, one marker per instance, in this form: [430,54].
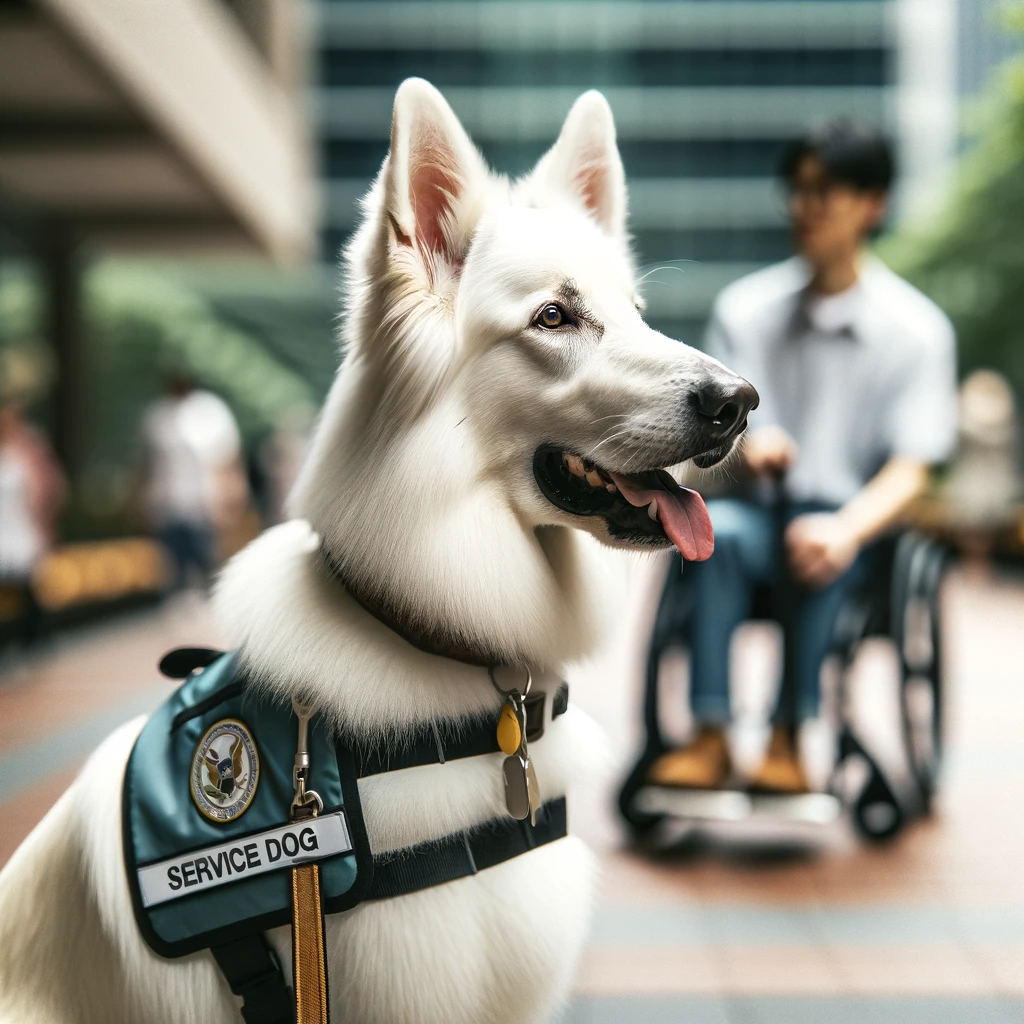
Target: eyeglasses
[818,193]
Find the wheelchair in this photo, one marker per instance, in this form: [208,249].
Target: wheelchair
[901,603]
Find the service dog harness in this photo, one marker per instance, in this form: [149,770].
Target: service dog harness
[242,814]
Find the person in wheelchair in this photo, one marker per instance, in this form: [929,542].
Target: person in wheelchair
[856,371]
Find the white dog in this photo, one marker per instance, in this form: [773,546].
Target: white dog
[500,398]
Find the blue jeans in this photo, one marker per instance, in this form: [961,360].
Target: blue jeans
[189,544]
[748,551]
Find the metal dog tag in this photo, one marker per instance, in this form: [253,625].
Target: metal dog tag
[532,786]
[516,771]
[533,789]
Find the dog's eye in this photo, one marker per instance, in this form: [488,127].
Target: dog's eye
[552,316]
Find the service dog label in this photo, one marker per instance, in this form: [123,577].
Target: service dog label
[277,848]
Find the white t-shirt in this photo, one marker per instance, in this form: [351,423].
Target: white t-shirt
[190,440]
[21,542]
[854,378]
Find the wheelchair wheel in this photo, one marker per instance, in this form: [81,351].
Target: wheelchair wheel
[877,814]
[641,823]
[670,626]
[919,638]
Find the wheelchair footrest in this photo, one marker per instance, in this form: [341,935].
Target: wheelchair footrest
[736,805]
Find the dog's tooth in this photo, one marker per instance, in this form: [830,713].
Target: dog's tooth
[575,464]
[594,478]
[652,509]
[611,488]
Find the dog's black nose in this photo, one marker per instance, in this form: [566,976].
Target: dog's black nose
[723,403]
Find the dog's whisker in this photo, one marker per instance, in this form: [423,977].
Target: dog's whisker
[664,266]
[612,437]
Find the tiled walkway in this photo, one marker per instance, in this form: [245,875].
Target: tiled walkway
[725,930]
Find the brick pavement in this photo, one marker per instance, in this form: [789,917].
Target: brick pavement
[728,930]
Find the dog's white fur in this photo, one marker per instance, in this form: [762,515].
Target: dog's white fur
[420,484]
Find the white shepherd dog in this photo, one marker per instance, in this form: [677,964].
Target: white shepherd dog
[500,398]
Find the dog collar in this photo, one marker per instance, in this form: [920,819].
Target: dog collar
[428,640]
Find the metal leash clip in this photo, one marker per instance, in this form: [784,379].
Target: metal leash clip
[306,802]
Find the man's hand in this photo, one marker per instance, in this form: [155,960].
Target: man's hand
[769,451]
[820,548]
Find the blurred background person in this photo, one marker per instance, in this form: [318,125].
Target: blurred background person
[983,492]
[195,483]
[856,371]
[32,489]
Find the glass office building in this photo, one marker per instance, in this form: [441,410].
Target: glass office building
[705,94]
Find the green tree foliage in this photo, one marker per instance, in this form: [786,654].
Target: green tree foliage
[970,257]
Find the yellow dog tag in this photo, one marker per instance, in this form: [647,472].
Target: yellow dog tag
[510,734]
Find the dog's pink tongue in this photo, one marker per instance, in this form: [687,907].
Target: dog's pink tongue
[683,514]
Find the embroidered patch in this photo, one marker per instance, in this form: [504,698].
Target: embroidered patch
[225,771]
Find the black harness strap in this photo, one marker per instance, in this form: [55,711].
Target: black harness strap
[466,853]
[437,743]
[253,973]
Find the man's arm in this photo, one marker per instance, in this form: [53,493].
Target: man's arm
[884,499]
[822,547]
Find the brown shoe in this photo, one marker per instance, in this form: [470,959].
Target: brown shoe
[781,771]
[702,764]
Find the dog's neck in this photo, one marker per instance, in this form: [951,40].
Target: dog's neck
[301,634]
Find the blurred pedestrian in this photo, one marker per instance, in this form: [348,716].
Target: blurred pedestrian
[194,479]
[983,492]
[32,490]
[856,373]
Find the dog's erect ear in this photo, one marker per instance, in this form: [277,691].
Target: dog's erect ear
[434,171]
[585,160]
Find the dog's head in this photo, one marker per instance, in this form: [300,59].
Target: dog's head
[500,379]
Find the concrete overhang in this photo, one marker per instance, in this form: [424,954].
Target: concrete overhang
[150,125]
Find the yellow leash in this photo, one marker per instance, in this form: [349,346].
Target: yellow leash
[309,956]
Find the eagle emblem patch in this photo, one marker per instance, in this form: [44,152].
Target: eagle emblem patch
[225,771]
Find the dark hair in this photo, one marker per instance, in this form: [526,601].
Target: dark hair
[851,153]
